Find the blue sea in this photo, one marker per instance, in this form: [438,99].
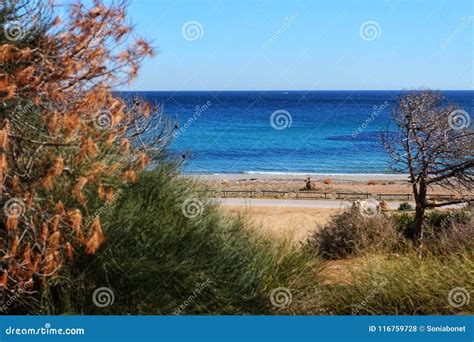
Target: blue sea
[287,132]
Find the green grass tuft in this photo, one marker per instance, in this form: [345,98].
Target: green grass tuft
[169,250]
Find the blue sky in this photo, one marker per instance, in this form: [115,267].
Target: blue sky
[306,45]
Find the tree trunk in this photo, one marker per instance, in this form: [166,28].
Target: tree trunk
[419,220]
[421,204]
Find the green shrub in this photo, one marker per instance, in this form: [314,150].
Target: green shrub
[405,206]
[351,234]
[441,220]
[157,260]
[405,224]
[444,231]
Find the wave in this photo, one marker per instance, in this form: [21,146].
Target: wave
[315,173]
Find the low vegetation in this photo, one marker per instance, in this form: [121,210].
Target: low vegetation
[405,206]
[386,273]
[403,285]
[353,234]
[170,251]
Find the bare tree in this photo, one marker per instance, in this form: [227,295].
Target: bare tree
[434,144]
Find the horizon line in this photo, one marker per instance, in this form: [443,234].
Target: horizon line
[293,90]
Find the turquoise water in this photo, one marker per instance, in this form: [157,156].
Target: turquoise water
[321,132]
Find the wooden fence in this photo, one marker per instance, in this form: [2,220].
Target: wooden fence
[341,195]
[317,194]
[246,192]
[406,197]
[295,194]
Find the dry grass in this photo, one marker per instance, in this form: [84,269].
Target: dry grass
[291,224]
[339,271]
[381,285]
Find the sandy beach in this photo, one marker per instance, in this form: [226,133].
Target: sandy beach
[301,176]
[374,184]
